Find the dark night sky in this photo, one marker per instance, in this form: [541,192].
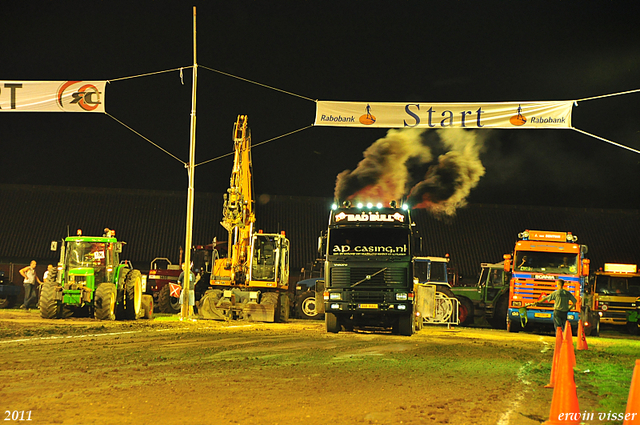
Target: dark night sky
[420,51]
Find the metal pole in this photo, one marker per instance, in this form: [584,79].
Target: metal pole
[185,310]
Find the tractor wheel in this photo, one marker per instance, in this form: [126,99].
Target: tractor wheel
[104,301]
[284,307]
[167,303]
[48,304]
[306,305]
[147,307]
[8,301]
[130,298]
[332,323]
[269,298]
[465,311]
[499,319]
[405,325]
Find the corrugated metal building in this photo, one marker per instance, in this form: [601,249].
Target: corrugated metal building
[153,222]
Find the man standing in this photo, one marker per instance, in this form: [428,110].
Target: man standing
[563,303]
[30,279]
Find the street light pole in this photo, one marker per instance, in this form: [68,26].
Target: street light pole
[185,310]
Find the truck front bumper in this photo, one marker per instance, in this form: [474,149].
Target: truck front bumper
[539,316]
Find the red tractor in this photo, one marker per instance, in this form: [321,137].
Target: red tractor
[162,273]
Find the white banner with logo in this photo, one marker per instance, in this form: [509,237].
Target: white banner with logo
[445,115]
[52,96]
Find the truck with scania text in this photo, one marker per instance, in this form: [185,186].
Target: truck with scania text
[368,268]
[614,295]
[538,260]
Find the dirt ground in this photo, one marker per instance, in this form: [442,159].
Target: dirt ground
[83,371]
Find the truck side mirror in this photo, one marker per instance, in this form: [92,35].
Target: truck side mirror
[507,262]
[118,247]
[322,245]
[54,245]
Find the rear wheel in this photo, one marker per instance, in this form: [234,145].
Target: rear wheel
[131,299]
[49,306]
[7,301]
[465,311]
[167,303]
[332,323]
[104,301]
[499,318]
[147,307]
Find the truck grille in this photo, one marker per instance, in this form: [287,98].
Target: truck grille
[391,277]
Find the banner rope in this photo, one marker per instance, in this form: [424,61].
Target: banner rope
[253,146]
[607,95]
[606,140]
[147,139]
[152,73]
[257,83]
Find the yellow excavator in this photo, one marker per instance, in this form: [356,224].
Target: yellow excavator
[251,283]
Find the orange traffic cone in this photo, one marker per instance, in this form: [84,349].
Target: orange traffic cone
[569,338]
[564,404]
[582,340]
[556,357]
[632,415]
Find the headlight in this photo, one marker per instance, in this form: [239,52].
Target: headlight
[335,306]
[517,303]
[604,307]
[335,296]
[402,307]
[401,296]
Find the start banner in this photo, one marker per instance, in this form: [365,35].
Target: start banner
[52,96]
[445,115]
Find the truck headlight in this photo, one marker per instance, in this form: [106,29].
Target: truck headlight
[335,296]
[335,306]
[401,296]
[517,303]
[402,307]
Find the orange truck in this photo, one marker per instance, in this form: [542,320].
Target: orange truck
[538,260]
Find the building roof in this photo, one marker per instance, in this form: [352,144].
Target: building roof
[153,225]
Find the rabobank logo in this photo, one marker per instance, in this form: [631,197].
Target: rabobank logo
[518,119]
[367,118]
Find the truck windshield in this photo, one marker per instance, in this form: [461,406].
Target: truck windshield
[623,286]
[546,262]
[368,241]
[86,254]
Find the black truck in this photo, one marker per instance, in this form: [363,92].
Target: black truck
[368,269]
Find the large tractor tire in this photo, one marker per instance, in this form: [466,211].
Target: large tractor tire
[499,319]
[130,297]
[7,301]
[465,311]
[146,312]
[306,305]
[167,303]
[104,301]
[332,323]
[49,306]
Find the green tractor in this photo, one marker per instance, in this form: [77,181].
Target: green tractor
[90,281]
[488,298]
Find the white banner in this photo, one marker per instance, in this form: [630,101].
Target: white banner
[52,96]
[445,115]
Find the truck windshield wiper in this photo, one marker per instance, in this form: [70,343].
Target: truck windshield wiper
[368,277]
